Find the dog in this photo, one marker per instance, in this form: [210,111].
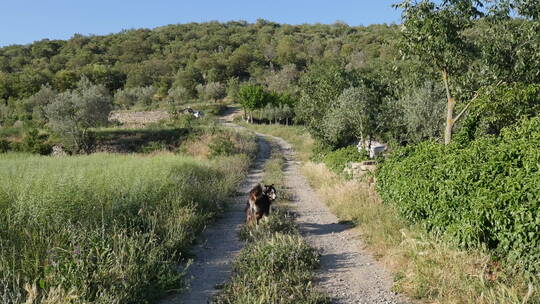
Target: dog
[259,201]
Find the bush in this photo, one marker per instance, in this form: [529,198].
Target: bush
[128,97]
[499,107]
[35,142]
[72,113]
[221,146]
[4,146]
[337,160]
[484,194]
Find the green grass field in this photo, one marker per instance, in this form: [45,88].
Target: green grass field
[104,228]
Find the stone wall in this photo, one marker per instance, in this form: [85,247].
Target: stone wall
[137,119]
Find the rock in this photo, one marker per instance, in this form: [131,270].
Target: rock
[137,119]
[358,170]
[58,151]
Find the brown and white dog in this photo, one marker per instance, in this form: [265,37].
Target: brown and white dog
[259,202]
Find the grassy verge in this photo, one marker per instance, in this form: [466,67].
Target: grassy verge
[425,267]
[105,228]
[277,265]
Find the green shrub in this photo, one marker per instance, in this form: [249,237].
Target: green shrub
[498,107]
[221,146]
[35,142]
[337,160]
[484,194]
[4,146]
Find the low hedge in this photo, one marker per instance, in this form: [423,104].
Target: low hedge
[486,193]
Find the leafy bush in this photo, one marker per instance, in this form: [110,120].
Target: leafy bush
[128,97]
[35,142]
[484,194]
[498,107]
[4,146]
[337,160]
[72,113]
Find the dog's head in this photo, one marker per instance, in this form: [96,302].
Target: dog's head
[270,191]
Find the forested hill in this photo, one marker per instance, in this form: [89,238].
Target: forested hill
[186,55]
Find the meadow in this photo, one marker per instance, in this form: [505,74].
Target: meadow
[108,228]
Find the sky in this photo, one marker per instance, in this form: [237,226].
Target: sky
[25,21]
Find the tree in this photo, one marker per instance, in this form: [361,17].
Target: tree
[188,78]
[178,95]
[252,97]
[320,87]
[422,110]
[355,114]
[212,91]
[128,97]
[73,113]
[39,102]
[434,32]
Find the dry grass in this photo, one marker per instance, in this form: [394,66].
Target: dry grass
[425,268]
[197,147]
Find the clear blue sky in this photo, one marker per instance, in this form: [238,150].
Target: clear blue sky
[24,21]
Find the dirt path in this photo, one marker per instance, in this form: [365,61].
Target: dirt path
[347,274]
[218,245]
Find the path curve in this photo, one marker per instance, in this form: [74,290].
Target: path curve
[218,245]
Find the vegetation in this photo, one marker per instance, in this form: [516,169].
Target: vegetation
[462,72]
[106,228]
[337,160]
[71,114]
[426,267]
[488,200]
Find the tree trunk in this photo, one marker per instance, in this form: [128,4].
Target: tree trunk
[451,103]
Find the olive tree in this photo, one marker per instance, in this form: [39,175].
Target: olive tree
[73,113]
[320,86]
[473,44]
[355,115]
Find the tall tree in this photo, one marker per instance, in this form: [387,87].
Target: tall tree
[435,33]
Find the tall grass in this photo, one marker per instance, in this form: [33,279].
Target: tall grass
[425,267]
[103,228]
